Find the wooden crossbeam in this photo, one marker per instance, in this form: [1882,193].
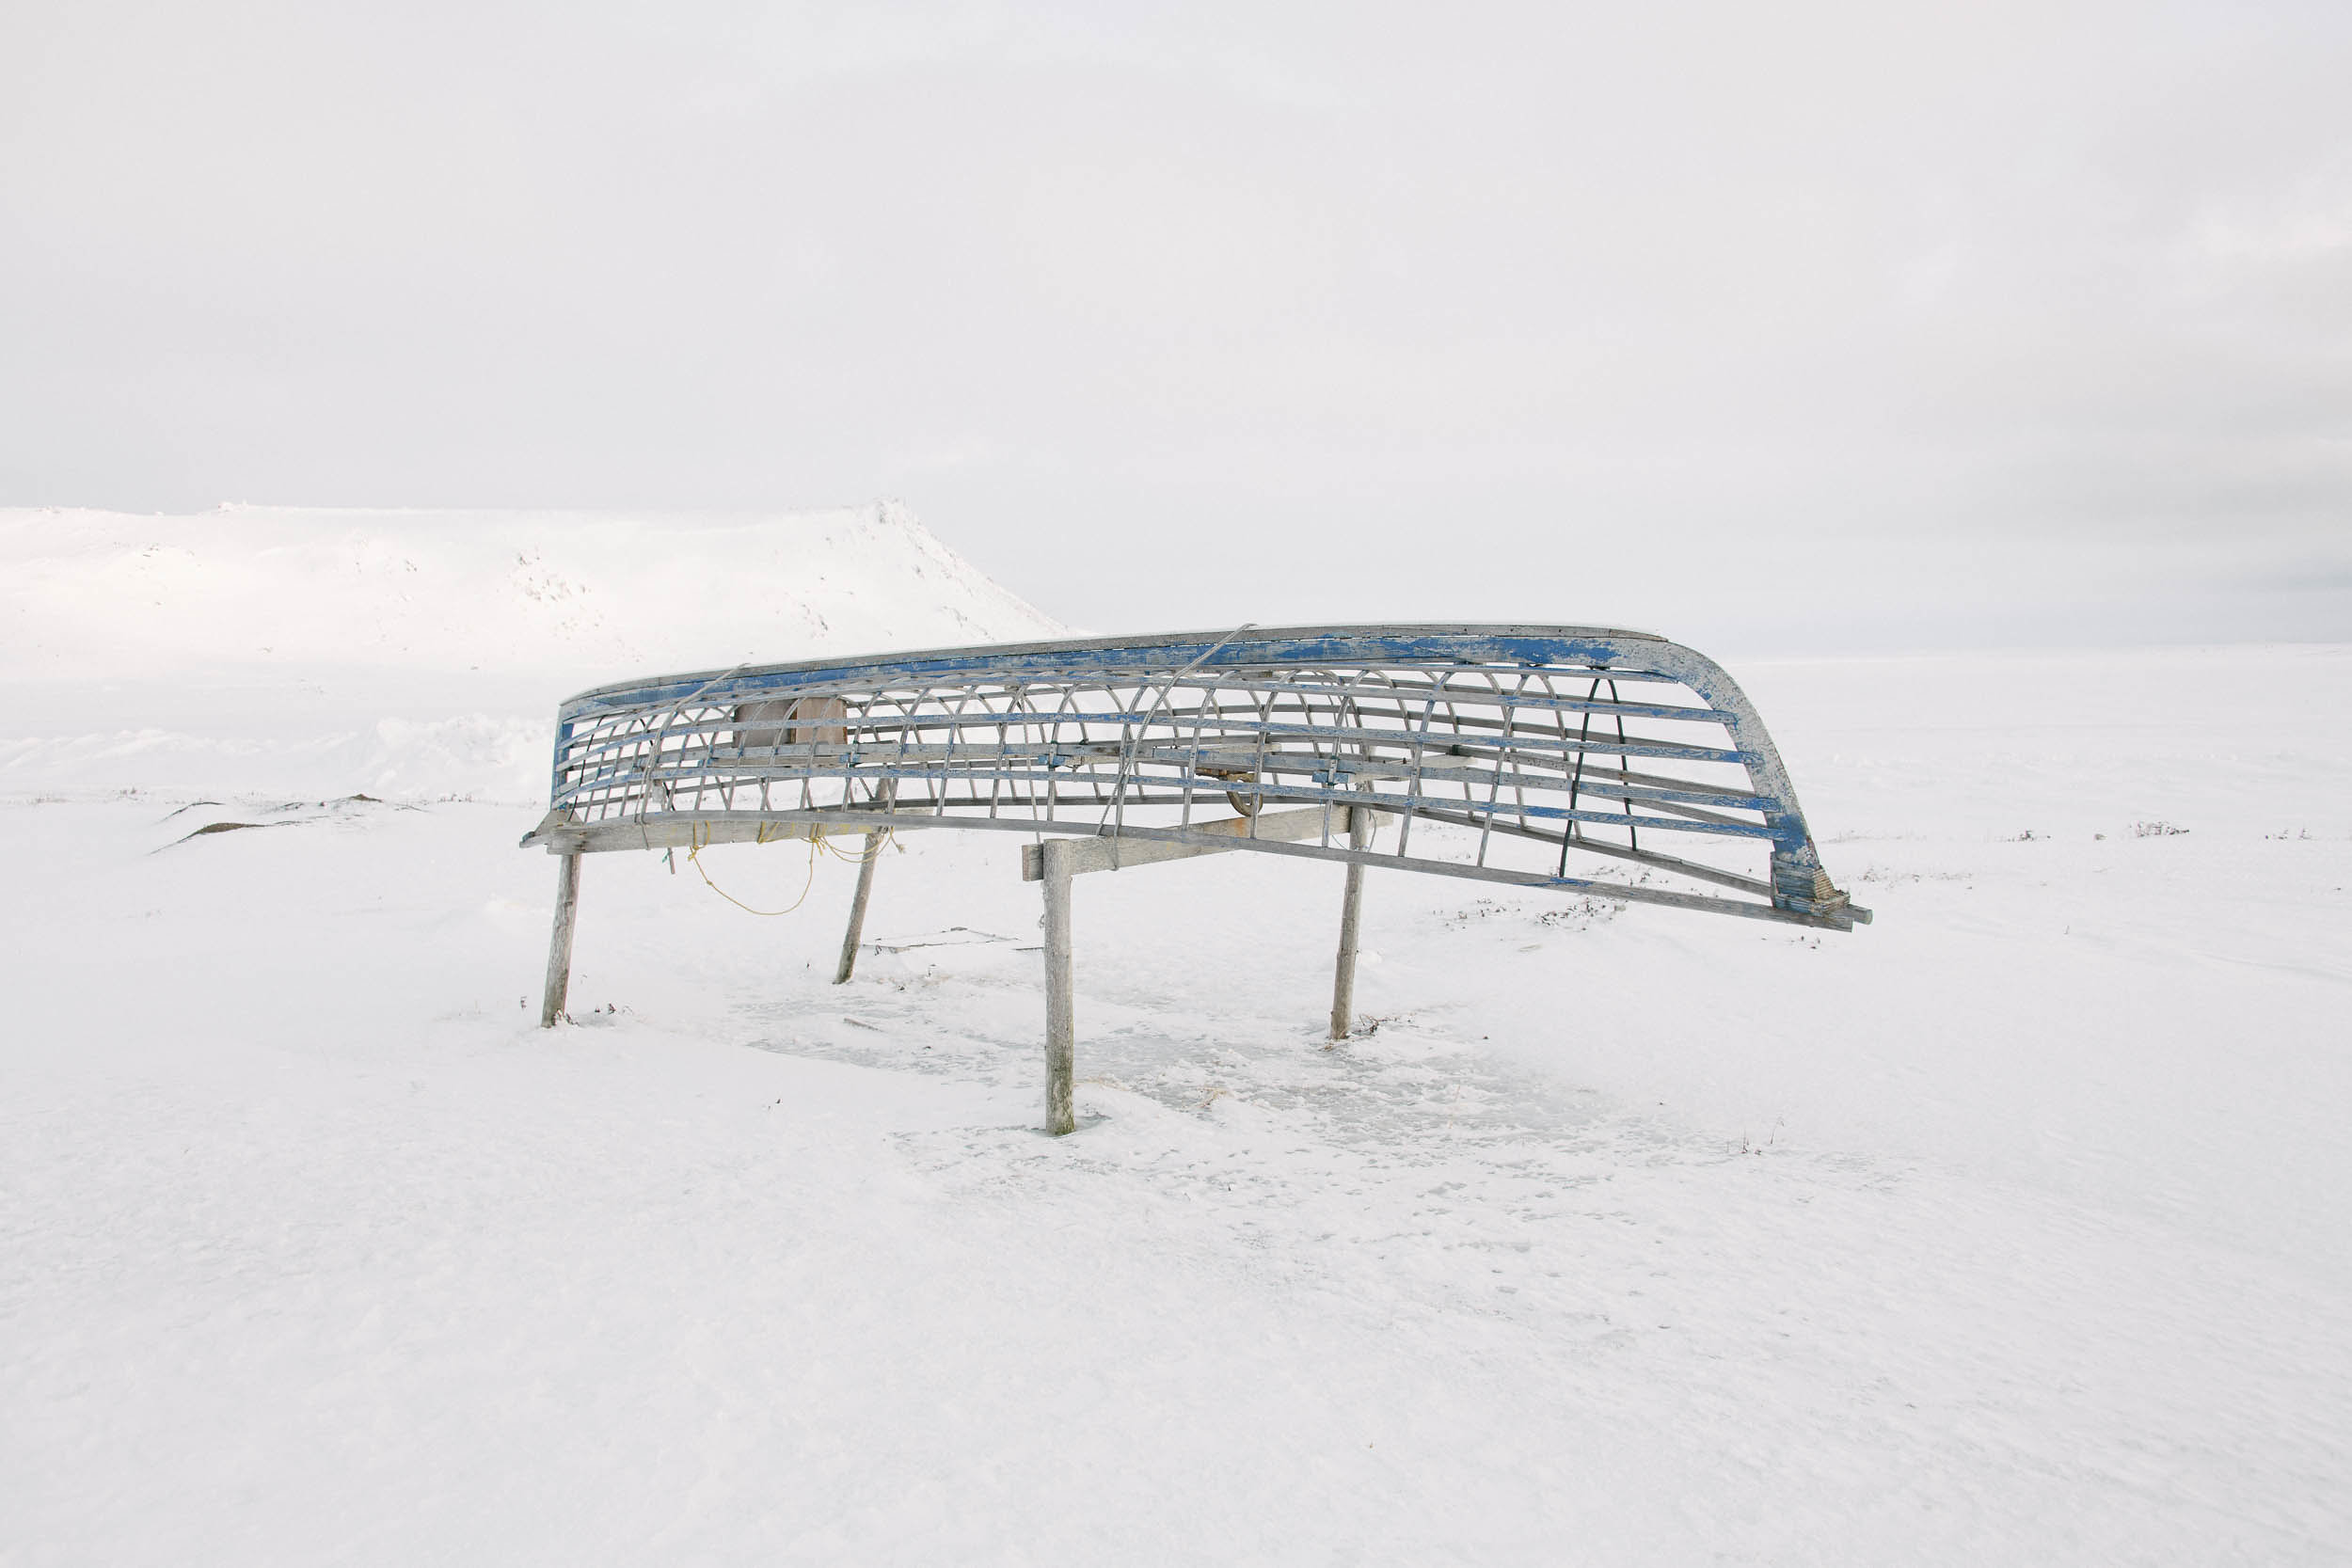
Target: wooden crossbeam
[1110,853]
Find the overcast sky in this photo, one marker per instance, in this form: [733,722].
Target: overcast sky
[1783,325]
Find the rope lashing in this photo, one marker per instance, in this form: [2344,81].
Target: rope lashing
[693,856]
[877,842]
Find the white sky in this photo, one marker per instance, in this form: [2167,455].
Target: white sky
[1787,327]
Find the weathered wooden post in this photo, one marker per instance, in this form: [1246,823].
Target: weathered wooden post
[559,944]
[857,909]
[1061,1025]
[1359,819]
[874,841]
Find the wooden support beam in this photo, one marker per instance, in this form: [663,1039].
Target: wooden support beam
[857,909]
[560,944]
[559,835]
[1351,918]
[1112,854]
[1062,1027]
[874,842]
[1057,860]
[624,834]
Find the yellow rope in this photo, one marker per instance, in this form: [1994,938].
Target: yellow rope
[693,854]
[876,842]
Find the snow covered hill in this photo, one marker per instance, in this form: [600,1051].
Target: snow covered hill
[419,653]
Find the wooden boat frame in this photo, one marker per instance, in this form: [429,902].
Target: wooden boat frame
[1517,746]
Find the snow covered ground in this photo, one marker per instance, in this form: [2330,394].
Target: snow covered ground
[2011,1228]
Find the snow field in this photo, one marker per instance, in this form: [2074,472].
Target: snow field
[2009,1227]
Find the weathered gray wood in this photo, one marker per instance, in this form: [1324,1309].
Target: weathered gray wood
[1111,854]
[857,909]
[815,720]
[1593,847]
[559,944]
[1062,1027]
[1085,742]
[1351,916]
[622,834]
[699,830]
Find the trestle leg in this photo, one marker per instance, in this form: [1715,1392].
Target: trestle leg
[857,911]
[1061,1029]
[560,944]
[1351,917]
